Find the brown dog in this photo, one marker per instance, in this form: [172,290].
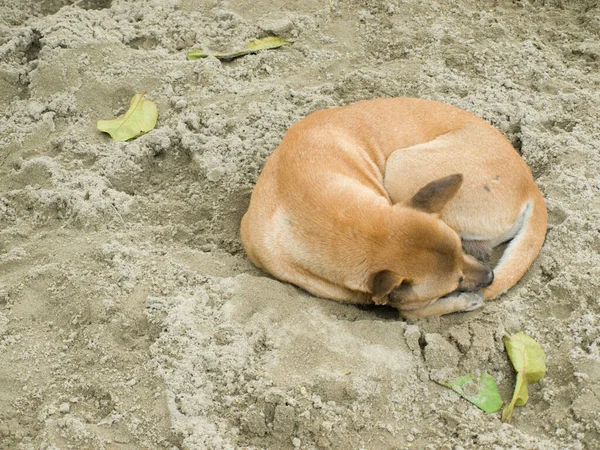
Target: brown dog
[368,203]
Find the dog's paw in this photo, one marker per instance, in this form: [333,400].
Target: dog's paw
[455,302]
[472,300]
[463,301]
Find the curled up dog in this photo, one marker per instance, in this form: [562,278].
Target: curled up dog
[392,201]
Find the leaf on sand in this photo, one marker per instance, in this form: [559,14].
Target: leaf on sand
[267,43]
[482,391]
[529,360]
[139,119]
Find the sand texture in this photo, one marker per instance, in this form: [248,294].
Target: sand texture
[130,317]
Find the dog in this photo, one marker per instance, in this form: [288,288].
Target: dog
[394,201]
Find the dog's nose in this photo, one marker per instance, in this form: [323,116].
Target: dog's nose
[489,278]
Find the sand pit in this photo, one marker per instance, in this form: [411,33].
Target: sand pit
[130,317]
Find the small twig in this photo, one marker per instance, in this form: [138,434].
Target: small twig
[118,214]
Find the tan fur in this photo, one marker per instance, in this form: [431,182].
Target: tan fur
[343,207]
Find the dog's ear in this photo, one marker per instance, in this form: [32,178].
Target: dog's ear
[382,283]
[432,197]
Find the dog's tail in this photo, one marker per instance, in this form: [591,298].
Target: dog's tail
[522,249]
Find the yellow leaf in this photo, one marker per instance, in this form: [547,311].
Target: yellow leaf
[139,119]
[253,47]
[529,360]
[266,43]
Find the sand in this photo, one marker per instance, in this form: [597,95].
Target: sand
[130,317]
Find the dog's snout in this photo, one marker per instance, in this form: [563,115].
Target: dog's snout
[478,277]
[488,278]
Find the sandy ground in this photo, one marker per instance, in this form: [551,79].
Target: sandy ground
[129,315]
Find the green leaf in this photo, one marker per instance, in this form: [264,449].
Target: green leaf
[253,47]
[529,360]
[139,119]
[482,391]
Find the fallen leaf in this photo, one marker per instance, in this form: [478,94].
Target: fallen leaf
[140,118]
[482,391]
[267,43]
[529,360]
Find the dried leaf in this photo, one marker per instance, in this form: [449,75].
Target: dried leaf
[482,391]
[253,47]
[529,360]
[140,118]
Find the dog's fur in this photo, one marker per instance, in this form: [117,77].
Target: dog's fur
[377,202]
